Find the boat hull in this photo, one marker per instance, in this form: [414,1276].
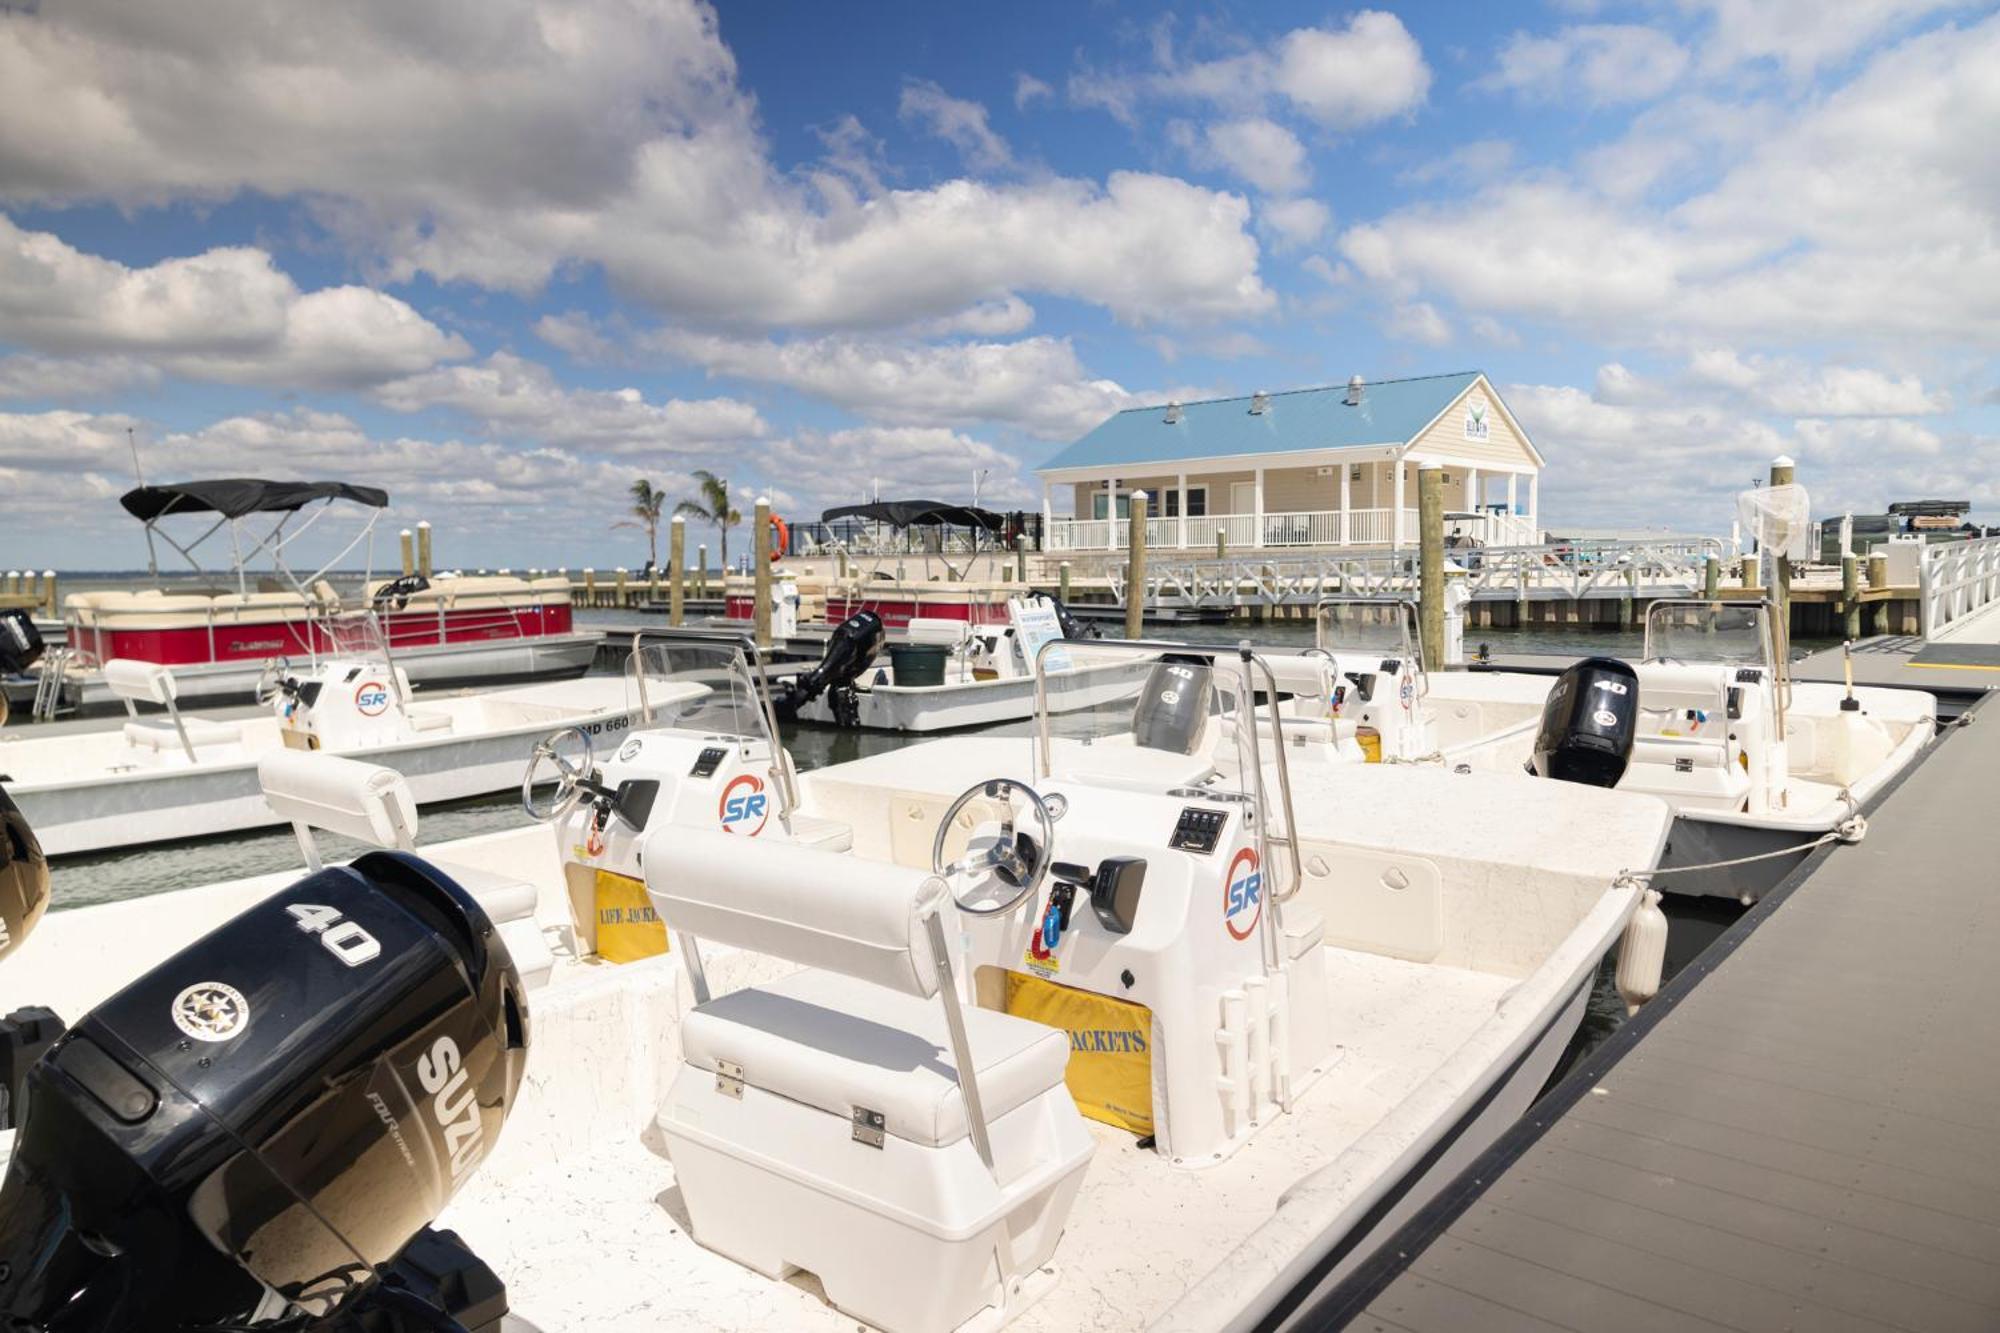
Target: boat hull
[976,703]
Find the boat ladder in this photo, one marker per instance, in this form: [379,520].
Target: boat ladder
[49,684]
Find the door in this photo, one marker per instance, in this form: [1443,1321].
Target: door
[1243,502]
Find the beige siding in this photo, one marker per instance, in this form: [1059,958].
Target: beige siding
[1288,489]
[1503,445]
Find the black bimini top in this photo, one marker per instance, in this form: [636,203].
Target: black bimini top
[905,513]
[233,497]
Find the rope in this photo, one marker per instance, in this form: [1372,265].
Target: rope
[1849,830]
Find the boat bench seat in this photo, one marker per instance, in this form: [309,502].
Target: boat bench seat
[835,1043]
[160,735]
[510,904]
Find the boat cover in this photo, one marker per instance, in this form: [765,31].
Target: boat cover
[907,513]
[233,497]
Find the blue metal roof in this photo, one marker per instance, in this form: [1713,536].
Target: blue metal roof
[1391,412]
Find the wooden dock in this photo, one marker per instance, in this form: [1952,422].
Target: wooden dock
[1802,1132]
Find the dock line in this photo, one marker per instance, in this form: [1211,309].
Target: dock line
[1849,830]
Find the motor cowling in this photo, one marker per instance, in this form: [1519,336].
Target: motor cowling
[1173,707]
[853,645]
[21,643]
[252,1129]
[1588,724]
[24,877]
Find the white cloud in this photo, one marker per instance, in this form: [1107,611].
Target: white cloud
[960,123]
[1801,35]
[1343,78]
[1297,222]
[1888,227]
[1476,162]
[1028,90]
[71,378]
[225,314]
[495,143]
[1789,387]
[1603,62]
[841,466]
[1036,384]
[1419,322]
[509,396]
[1260,152]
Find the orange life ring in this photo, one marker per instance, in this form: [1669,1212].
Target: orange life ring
[783,532]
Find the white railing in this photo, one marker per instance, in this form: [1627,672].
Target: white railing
[1956,580]
[1316,527]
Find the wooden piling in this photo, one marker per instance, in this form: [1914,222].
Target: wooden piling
[51,605]
[589,586]
[409,543]
[621,596]
[760,590]
[1711,577]
[1135,568]
[1628,602]
[1749,571]
[1850,595]
[1878,579]
[1430,563]
[1782,474]
[1062,582]
[1221,547]
[424,548]
[701,572]
[677,533]
[1021,558]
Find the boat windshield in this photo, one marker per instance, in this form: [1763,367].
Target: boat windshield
[713,683]
[1738,633]
[1368,625]
[1189,719]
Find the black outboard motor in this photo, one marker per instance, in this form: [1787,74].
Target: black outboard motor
[850,649]
[1588,724]
[1072,628]
[24,877]
[1175,703]
[395,594]
[20,642]
[251,1131]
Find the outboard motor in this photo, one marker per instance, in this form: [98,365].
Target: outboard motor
[1174,706]
[1588,724]
[395,594]
[1072,628]
[24,877]
[20,642]
[850,649]
[252,1131]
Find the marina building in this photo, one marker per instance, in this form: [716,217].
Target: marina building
[1325,467]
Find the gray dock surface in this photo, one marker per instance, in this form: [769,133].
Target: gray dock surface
[1803,1134]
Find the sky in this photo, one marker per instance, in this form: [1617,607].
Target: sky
[503,257]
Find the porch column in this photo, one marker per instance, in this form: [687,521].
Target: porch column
[1513,492]
[1534,506]
[1397,515]
[1257,508]
[1111,513]
[1346,509]
[1180,507]
[1048,513]
[1474,501]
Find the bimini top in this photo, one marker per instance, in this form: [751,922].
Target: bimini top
[1390,412]
[905,513]
[233,497]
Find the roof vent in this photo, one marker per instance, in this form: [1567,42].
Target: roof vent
[1354,385]
[1173,414]
[1260,403]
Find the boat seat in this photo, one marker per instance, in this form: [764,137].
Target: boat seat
[427,719]
[827,835]
[835,1043]
[510,904]
[150,734]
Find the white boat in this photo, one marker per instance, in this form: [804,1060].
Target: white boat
[1292,1004]
[159,778]
[945,675]
[444,630]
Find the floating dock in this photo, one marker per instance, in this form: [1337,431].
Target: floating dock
[1801,1132]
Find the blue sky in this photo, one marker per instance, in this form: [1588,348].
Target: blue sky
[503,258]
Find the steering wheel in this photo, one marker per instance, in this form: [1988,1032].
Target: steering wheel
[266,688]
[571,774]
[1001,866]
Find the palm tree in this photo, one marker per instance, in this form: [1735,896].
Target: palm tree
[712,507]
[647,502]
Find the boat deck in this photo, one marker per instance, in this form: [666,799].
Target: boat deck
[1803,1132]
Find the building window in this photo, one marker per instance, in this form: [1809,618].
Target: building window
[1197,502]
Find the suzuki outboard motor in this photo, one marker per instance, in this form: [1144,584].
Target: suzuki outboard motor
[20,642]
[248,1133]
[1072,627]
[24,877]
[1588,724]
[1175,703]
[850,649]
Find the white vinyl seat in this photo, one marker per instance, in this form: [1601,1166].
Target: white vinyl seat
[835,1043]
[152,734]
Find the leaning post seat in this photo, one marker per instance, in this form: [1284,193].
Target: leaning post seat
[855,1120]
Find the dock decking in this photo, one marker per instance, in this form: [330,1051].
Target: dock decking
[1802,1132]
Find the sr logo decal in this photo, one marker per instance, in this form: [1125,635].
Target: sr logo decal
[371,698]
[1243,900]
[745,805]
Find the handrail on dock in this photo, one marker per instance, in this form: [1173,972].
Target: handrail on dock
[1955,581]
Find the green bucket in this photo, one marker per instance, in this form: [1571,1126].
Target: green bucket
[918,663]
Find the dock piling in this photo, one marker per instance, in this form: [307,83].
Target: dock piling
[1850,595]
[1021,558]
[1135,569]
[1062,582]
[701,572]
[1878,578]
[760,591]
[51,604]
[1750,571]
[1711,577]
[677,532]
[1783,473]
[1430,554]
[1221,547]
[621,572]
[409,543]
[424,548]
